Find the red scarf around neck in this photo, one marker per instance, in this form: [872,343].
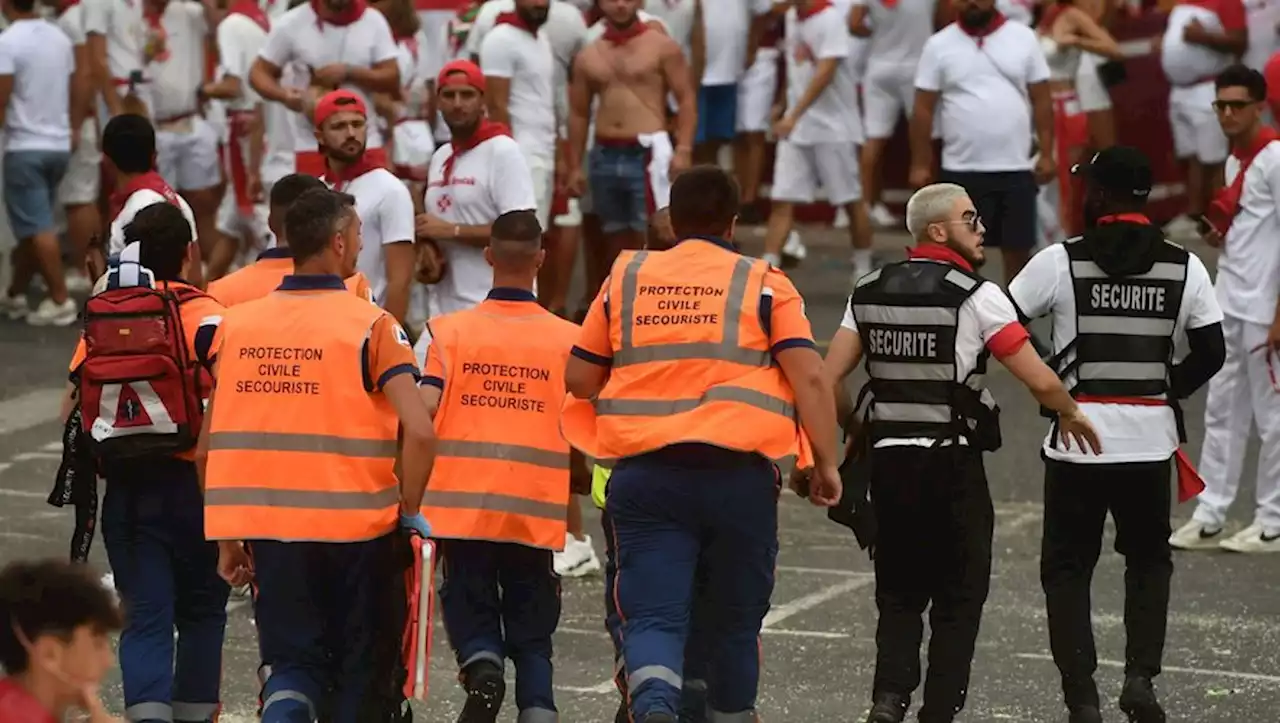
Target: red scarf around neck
[1125,218]
[365,163]
[149,181]
[938,252]
[815,7]
[514,20]
[65,5]
[621,36]
[485,131]
[351,13]
[251,10]
[153,11]
[1226,204]
[980,34]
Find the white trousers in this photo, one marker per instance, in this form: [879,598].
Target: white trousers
[1241,393]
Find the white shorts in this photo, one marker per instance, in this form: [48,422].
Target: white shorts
[888,94]
[1093,95]
[250,227]
[799,170]
[1196,133]
[83,179]
[756,92]
[189,161]
[543,172]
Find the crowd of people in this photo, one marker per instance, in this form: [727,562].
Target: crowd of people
[439,168]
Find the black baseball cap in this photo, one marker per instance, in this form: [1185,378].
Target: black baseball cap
[1122,169]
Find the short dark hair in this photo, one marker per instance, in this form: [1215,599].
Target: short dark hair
[130,142]
[287,190]
[163,234]
[23,6]
[704,202]
[516,226]
[50,597]
[313,219]
[1242,76]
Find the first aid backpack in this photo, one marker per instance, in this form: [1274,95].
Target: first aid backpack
[141,391]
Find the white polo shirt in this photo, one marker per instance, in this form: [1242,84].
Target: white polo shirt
[137,201]
[299,37]
[898,34]
[985,111]
[126,32]
[727,28]
[40,59]
[176,79]
[833,117]
[240,40]
[386,216]
[488,181]
[1249,266]
[1129,433]
[527,61]
[979,319]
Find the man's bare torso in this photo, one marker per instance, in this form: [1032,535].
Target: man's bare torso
[629,81]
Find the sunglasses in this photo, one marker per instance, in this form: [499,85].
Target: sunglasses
[970,219]
[1234,105]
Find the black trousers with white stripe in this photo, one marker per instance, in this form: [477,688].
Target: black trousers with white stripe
[1077,498]
[933,551]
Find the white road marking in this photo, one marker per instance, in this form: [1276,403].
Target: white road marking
[822,571]
[28,456]
[24,493]
[1208,672]
[1016,524]
[806,634]
[29,410]
[25,536]
[53,447]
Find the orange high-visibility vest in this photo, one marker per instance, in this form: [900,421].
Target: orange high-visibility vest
[502,468]
[300,449]
[691,361]
[264,275]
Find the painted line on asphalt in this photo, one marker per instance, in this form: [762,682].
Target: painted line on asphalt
[1207,672]
[29,456]
[6,535]
[822,570]
[24,494]
[29,410]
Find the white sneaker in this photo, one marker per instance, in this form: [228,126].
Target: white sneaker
[14,307]
[578,558]
[1196,535]
[794,251]
[78,282]
[50,314]
[1253,539]
[882,217]
[842,218]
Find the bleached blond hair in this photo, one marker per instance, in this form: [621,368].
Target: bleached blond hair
[931,204]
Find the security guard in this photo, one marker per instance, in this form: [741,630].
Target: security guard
[698,360]
[1122,299]
[300,449]
[926,327]
[265,274]
[494,376]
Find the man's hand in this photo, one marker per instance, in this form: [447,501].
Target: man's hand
[799,481]
[414,521]
[575,182]
[920,176]
[1194,32]
[1213,238]
[253,185]
[431,264]
[1046,167]
[1272,345]
[783,127]
[825,487]
[234,565]
[331,76]
[429,226]
[294,99]
[1074,425]
[681,161]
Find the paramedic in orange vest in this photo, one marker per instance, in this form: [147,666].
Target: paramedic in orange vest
[152,525]
[265,274]
[700,361]
[300,464]
[495,378]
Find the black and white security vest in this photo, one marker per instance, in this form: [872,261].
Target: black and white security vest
[907,314]
[1124,325]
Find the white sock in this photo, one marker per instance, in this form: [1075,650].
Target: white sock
[772,258]
[862,258]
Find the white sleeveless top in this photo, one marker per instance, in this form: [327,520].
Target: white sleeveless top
[1064,63]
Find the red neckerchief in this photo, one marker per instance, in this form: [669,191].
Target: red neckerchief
[938,252]
[621,36]
[19,706]
[1125,218]
[980,34]
[149,181]
[351,13]
[365,163]
[514,20]
[251,10]
[485,131]
[66,5]
[1226,203]
[815,7]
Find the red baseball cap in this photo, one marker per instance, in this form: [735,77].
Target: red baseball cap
[339,101]
[470,72]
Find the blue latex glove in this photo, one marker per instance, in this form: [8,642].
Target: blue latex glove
[416,523]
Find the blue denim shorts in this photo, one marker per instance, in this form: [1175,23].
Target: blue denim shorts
[620,193]
[31,181]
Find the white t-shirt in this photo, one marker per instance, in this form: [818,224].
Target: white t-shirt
[240,40]
[1263,17]
[385,209]
[565,28]
[122,24]
[1129,433]
[728,23]
[135,203]
[984,314]
[833,117]
[1186,63]
[300,39]
[678,16]
[488,181]
[177,77]
[528,62]
[41,60]
[1249,266]
[985,111]
[72,23]
[1019,11]
[898,33]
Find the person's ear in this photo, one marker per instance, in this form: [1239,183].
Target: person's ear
[540,258]
[488,255]
[733,229]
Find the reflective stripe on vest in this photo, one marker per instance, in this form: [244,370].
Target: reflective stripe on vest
[1124,324]
[502,467]
[300,449]
[907,316]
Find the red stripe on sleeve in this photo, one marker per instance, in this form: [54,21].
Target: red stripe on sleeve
[1007,341]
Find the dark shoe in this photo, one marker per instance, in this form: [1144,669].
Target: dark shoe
[660,718]
[485,691]
[888,708]
[1085,714]
[1138,701]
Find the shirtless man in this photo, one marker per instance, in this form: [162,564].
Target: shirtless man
[631,70]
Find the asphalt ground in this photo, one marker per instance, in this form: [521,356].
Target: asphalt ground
[1222,657]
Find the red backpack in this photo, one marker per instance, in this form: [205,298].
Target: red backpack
[141,393]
